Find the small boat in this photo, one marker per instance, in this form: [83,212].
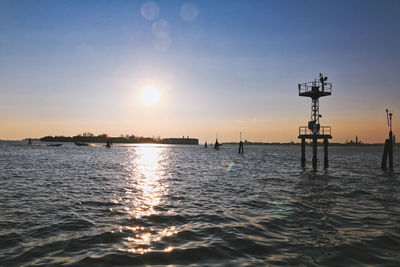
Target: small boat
[54,144]
[81,144]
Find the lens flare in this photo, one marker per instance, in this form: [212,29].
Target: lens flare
[161,28]
[150,10]
[230,166]
[189,12]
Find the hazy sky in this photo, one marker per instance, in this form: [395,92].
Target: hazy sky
[68,67]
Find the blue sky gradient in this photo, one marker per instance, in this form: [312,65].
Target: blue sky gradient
[68,67]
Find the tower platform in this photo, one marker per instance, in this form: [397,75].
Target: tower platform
[325,132]
[315,89]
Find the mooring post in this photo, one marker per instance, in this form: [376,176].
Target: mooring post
[326,160]
[303,152]
[390,155]
[385,152]
[241,150]
[216,145]
[314,156]
[390,145]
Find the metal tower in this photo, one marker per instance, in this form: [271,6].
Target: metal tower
[315,89]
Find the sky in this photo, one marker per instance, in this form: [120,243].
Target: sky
[220,67]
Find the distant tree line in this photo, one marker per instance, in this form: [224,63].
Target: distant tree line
[102,138]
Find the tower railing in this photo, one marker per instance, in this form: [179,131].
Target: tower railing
[308,86]
[324,130]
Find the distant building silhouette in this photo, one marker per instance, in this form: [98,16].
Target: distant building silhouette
[182,141]
[357,142]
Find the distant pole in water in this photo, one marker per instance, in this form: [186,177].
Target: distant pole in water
[205,144]
[241,150]
[29,141]
[388,148]
[216,145]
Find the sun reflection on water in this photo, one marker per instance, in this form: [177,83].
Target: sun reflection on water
[145,188]
[144,192]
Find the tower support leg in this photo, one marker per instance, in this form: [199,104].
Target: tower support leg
[314,156]
[326,160]
[303,152]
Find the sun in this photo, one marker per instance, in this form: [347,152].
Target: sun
[150,96]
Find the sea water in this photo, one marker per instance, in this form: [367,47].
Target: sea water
[182,205]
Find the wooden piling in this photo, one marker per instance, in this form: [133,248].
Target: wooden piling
[390,152]
[314,157]
[303,152]
[216,145]
[385,152]
[326,160]
[241,150]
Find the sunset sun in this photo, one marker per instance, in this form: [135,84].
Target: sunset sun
[150,96]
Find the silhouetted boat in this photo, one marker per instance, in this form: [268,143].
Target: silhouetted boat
[54,144]
[81,144]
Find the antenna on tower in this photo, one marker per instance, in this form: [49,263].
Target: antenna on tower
[387,116]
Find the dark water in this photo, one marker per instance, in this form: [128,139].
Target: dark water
[182,205]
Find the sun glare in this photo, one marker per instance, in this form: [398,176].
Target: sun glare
[150,96]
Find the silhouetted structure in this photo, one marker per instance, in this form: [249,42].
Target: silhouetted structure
[216,145]
[109,144]
[29,141]
[205,144]
[357,142]
[388,149]
[241,150]
[314,131]
[180,141]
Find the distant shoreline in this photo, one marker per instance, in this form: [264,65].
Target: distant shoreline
[147,141]
[127,139]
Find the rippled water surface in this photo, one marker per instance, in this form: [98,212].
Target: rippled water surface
[181,205]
